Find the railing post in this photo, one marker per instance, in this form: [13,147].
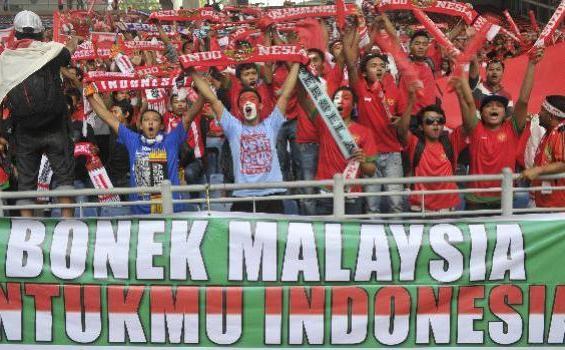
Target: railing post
[339,196]
[507,196]
[167,197]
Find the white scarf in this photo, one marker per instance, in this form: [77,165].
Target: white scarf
[16,65]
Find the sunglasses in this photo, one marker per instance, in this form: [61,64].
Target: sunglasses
[431,121]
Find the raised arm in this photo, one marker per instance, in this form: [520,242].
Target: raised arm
[192,111]
[466,103]
[351,53]
[474,72]
[205,91]
[288,87]
[103,112]
[521,108]
[305,102]
[403,125]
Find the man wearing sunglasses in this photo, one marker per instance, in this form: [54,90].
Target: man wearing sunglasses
[432,153]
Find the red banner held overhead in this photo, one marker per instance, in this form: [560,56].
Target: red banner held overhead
[289,53]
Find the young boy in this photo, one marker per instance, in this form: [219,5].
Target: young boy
[153,155]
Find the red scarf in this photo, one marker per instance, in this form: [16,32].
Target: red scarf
[96,170]
[551,26]
[189,15]
[133,84]
[289,53]
[435,32]
[294,13]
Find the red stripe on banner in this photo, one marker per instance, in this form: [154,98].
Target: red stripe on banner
[89,301]
[215,300]
[343,297]
[184,301]
[537,300]
[273,300]
[303,304]
[559,300]
[118,302]
[384,298]
[501,297]
[42,293]
[467,297]
[429,304]
[12,299]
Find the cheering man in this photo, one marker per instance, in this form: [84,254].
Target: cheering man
[550,155]
[253,142]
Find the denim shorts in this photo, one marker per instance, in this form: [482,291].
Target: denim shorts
[57,145]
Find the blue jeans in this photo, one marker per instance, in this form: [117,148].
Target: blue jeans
[388,165]
[288,161]
[307,166]
[84,211]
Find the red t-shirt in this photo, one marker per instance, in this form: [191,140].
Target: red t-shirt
[372,113]
[334,79]
[194,138]
[264,90]
[433,162]
[490,152]
[551,150]
[306,131]
[330,159]
[430,92]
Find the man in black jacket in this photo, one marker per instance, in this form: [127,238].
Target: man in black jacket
[35,98]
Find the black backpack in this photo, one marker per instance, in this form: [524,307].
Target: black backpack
[443,139]
[38,101]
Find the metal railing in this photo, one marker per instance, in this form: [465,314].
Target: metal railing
[335,189]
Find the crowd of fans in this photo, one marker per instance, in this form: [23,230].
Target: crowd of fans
[255,123]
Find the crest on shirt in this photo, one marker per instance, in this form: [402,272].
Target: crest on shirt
[423,3]
[501,137]
[390,101]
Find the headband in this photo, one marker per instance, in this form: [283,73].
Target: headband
[553,110]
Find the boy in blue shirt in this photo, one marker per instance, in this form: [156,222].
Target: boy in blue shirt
[153,155]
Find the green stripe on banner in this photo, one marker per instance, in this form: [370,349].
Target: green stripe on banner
[254,282]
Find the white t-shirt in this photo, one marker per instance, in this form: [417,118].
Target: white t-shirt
[254,151]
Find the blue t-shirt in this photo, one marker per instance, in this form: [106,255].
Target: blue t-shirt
[150,164]
[254,151]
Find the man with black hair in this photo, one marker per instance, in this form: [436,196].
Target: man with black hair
[247,76]
[432,152]
[425,68]
[492,85]
[253,141]
[378,109]
[493,139]
[331,161]
[34,96]
[153,155]
[550,155]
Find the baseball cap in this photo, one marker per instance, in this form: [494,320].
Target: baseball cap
[491,98]
[28,19]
